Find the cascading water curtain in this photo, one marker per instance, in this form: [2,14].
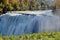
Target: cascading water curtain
[26,24]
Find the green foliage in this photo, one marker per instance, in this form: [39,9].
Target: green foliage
[35,36]
[24,5]
[15,5]
[35,5]
[10,7]
[1,7]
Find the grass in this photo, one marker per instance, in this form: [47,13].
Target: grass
[35,36]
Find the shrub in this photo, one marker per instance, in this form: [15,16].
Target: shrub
[23,5]
[1,7]
[10,7]
[35,5]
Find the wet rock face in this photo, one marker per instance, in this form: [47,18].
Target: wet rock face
[19,24]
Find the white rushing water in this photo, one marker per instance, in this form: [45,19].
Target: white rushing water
[18,24]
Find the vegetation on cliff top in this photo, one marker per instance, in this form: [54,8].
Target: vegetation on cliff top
[19,5]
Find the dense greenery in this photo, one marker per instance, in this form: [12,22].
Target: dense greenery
[35,36]
[20,5]
[23,5]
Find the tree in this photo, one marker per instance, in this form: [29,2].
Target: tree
[1,1]
[57,3]
[25,5]
[6,2]
[14,1]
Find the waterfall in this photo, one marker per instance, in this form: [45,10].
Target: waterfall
[11,24]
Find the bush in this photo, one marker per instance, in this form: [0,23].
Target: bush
[24,5]
[1,7]
[35,5]
[35,36]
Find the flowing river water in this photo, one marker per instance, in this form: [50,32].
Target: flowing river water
[11,24]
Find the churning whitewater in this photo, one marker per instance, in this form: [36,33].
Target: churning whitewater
[11,24]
